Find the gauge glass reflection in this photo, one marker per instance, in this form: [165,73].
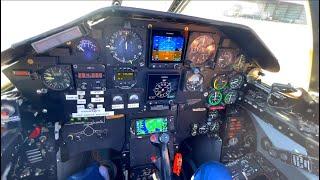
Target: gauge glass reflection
[201,49]
[225,58]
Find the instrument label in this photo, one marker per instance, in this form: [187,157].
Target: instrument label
[71,97]
[81,93]
[96,92]
[92,114]
[117,106]
[100,99]
[99,106]
[100,110]
[80,107]
[81,101]
[133,105]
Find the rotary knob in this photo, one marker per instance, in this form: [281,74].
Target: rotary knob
[70,137]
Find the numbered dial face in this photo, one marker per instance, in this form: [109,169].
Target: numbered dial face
[213,114]
[56,78]
[220,82]
[225,58]
[214,98]
[87,48]
[236,81]
[194,82]
[125,46]
[215,126]
[231,97]
[162,89]
[201,49]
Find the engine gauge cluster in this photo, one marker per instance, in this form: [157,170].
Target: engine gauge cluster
[226,89]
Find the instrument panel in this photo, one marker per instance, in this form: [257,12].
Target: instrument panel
[134,65]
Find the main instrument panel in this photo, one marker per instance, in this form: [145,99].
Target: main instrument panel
[142,86]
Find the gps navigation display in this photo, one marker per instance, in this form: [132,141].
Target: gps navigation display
[151,125]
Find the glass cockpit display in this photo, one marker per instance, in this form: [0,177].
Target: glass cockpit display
[151,125]
[162,87]
[167,46]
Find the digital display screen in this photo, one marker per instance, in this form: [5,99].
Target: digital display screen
[124,76]
[167,46]
[151,125]
[163,87]
[90,75]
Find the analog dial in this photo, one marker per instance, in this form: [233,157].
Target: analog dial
[87,48]
[162,89]
[220,82]
[201,49]
[56,78]
[125,46]
[194,82]
[215,98]
[225,58]
[213,114]
[236,81]
[231,97]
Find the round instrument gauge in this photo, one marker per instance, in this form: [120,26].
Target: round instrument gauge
[236,81]
[194,82]
[56,78]
[87,48]
[231,97]
[201,49]
[215,126]
[125,46]
[162,89]
[233,141]
[213,114]
[214,98]
[225,58]
[220,82]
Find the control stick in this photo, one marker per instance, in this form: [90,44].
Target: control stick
[163,140]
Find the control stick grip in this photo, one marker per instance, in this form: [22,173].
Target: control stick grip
[165,160]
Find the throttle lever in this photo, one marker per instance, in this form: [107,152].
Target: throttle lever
[163,140]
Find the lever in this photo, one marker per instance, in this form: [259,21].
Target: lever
[163,140]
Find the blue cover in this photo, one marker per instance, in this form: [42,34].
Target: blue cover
[212,170]
[91,172]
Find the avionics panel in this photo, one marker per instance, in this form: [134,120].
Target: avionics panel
[167,48]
